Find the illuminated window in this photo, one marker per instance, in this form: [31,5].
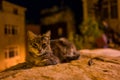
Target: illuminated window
[60,31]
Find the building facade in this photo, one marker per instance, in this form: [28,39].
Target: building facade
[88,8]
[104,10]
[12,34]
[60,21]
[110,11]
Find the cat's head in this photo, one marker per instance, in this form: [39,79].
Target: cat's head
[38,44]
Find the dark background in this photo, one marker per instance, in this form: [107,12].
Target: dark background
[35,6]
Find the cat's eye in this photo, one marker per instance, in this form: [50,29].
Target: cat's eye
[34,45]
[44,45]
[44,38]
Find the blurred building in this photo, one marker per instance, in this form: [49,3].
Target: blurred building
[107,12]
[88,8]
[12,34]
[103,10]
[110,11]
[59,20]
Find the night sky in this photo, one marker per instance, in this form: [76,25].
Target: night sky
[35,6]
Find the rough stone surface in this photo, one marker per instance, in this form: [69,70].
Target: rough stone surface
[103,67]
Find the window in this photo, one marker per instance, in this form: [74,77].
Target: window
[109,9]
[5,29]
[60,31]
[11,52]
[0,4]
[10,29]
[114,9]
[105,12]
[13,30]
[15,11]
[105,9]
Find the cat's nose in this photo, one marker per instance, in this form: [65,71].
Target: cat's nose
[39,51]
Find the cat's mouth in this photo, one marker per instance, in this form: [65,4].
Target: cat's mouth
[41,52]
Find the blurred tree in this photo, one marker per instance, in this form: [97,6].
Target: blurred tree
[89,33]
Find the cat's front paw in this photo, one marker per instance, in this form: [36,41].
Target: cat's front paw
[47,62]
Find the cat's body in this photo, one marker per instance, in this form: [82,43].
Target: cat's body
[64,50]
[43,51]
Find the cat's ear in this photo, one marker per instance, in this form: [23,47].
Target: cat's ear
[31,35]
[48,33]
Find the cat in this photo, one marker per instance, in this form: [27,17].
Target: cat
[44,51]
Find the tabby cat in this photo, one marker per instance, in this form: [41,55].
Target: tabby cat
[43,51]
